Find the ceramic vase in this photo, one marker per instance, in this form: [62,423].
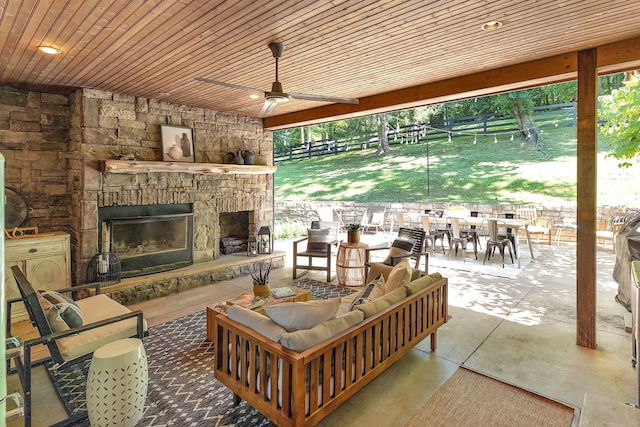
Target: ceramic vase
[262,291]
[249,157]
[238,160]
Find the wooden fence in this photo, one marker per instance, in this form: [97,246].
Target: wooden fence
[545,116]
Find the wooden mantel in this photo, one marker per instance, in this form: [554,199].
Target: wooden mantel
[135,166]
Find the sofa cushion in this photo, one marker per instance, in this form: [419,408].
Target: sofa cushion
[421,283]
[259,323]
[379,304]
[399,276]
[318,239]
[294,316]
[96,308]
[305,339]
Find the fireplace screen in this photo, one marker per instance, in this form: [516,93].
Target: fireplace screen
[150,244]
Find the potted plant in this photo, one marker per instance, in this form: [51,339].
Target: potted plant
[261,280]
[353,233]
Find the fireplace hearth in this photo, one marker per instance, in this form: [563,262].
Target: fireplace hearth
[148,238]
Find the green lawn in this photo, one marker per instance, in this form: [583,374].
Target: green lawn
[458,171]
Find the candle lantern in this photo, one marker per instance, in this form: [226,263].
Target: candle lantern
[265,239]
[252,246]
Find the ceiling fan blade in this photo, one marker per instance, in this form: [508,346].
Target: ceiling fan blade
[307,97]
[268,107]
[215,82]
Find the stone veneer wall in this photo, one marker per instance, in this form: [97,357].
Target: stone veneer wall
[34,142]
[108,125]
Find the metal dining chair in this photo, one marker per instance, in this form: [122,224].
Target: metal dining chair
[460,239]
[431,234]
[496,240]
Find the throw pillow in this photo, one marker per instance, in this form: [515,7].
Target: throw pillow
[400,275]
[64,316]
[259,323]
[318,239]
[294,316]
[372,291]
[398,247]
[54,297]
[305,339]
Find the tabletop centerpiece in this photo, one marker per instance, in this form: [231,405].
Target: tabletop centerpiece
[261,281]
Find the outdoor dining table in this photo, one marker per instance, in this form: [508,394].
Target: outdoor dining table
[516,224]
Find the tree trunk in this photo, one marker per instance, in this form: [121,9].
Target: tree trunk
[526,124]
[383,140]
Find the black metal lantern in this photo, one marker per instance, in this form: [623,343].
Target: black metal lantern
[265,240]
[252,246]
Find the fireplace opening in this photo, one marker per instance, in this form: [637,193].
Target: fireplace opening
[234,232]
[148,239]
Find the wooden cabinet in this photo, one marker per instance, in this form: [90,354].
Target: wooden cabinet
[46,261]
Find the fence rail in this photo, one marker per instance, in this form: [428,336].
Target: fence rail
[417,133]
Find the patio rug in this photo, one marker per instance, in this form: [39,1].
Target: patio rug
[472,399]
[182,390]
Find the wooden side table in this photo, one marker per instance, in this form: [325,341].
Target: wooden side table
[350,264]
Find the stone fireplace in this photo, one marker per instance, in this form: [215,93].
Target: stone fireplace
[223,201]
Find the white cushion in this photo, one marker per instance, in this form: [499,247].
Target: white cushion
[305,339]
[294,316]
[96,308]
[259,323]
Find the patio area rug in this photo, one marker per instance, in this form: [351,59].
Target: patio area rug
[182,390]
[472,399]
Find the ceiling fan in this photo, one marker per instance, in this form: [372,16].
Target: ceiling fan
[276,95]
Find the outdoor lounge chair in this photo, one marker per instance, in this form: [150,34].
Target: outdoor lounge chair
[105,321]
[373,218]
[409,244]
[321,244]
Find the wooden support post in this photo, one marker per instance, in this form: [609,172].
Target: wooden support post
[586,197]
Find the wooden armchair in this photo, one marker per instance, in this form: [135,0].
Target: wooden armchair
[105,321]
[409,244]
[540,226]
[321,244]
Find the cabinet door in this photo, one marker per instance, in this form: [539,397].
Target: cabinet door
[48,272]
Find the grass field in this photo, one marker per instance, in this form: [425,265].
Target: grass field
[505,171]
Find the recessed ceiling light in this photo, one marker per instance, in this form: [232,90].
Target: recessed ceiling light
[254,96]
[49,50]
[491,25]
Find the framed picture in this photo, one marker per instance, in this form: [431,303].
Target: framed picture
[177,144]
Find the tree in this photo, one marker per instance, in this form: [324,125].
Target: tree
[621,110]
[383,138]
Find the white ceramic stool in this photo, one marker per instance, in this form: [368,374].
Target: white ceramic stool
[117,384]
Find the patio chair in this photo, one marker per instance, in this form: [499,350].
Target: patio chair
[330,214]
[373,218]
[540,226]
[496,240]
[459,237]
[409,244]
[432,234]
[104,321]
[321,244]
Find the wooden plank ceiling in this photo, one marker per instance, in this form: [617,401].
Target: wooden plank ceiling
[356,49]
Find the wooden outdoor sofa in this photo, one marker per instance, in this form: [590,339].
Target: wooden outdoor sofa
[297,392]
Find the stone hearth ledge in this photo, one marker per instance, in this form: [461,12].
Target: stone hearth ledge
[134,290]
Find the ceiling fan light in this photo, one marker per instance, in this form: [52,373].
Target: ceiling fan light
[276,97]
[49,50]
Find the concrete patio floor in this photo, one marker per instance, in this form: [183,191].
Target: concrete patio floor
[519,330]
